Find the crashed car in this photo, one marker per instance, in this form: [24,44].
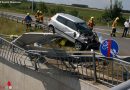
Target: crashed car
[75,30]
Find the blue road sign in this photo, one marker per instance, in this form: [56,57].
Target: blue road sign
[109,48]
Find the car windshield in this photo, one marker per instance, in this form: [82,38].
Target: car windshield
[83,29]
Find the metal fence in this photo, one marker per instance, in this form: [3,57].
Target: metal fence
[112,70]
[17,55]
[21,20]
[84,65]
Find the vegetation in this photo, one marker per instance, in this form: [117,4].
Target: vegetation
[10,27]
[51,9]
[43,7]
[112,13]
[74,12]
[101,16]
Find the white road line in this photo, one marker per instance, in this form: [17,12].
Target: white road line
[103,33]
[107,33]
[126,38]
[102,29]
[107,30]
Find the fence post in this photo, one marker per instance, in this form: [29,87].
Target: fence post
[17,20]
[94,67]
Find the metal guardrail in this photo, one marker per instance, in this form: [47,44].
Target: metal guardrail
[82,64]
[21,20]
[112,71]
[14,54]
[122,86]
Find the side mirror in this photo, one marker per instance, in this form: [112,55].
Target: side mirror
[74,34]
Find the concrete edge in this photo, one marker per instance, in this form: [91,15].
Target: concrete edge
[105,87]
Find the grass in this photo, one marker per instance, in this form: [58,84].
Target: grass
[9,27]
[84,12]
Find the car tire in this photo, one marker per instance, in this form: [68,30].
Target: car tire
[51,29]
[78,46]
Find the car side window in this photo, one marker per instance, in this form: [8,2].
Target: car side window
[71,24]
[61,20]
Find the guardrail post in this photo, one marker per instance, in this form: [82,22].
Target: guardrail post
[94,67]
[17,20]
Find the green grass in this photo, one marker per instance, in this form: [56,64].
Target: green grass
[10,27]
[85,12]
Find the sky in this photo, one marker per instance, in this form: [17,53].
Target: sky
[101,4]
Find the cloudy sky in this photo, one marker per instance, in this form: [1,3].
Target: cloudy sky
[91,3]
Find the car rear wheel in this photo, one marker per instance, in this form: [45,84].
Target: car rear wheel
[51,29]
[78,45]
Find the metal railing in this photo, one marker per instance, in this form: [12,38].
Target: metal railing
[82,64]
[112,71]
[21,20]
[15,54]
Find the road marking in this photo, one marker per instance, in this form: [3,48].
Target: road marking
[102,29]
[109,35]
[106,29]
[102,33]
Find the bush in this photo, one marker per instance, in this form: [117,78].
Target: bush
[58,9]
[43,7]
[74,13]
[52,11]
[5,5]
[111,14]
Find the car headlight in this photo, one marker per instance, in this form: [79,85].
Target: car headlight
[86,42]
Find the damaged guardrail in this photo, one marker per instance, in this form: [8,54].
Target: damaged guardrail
[82,64]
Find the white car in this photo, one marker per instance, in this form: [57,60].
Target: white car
[73,29]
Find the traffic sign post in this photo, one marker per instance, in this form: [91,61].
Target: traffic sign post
[109,48]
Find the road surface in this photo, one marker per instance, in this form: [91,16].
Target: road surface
[124,43]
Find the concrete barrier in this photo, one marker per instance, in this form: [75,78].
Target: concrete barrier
[50,78]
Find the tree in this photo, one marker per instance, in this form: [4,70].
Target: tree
[112,13]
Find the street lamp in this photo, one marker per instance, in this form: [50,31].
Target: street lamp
[32,5]
[110,4]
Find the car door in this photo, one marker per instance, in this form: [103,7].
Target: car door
[62,28]
[71,30]
[60,25]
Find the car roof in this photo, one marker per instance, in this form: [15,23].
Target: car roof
[70,17]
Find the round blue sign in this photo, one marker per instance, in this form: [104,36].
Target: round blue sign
[109,48]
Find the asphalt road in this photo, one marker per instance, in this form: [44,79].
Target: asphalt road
[124,43]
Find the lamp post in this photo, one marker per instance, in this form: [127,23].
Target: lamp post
[32,5]
[110,4]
